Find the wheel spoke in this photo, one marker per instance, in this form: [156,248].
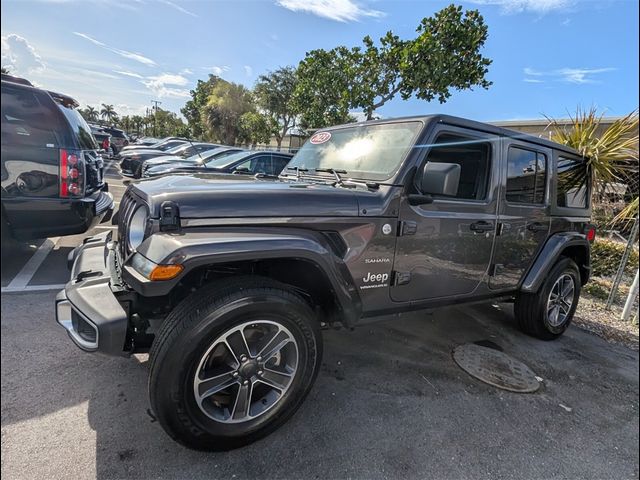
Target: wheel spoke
[274,346]
[215,384]
[277,380]
[237,345]
[567,288]
[553,315]
[243,402]
[564,306]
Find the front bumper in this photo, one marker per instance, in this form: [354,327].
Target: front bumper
[87,307]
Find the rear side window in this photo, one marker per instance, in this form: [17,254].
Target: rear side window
[29,118]
[81,130]
[526,176]
[472,155]
[573,183]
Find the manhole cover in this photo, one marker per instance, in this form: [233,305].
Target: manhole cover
[495,368]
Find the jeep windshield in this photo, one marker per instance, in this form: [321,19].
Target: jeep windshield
[368,152]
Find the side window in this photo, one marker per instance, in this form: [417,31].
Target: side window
[279,163]
[27,120]
[472,155]
[526,176]
[573,183]
[262,164]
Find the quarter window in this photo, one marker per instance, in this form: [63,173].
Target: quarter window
[573,183]
[526,176]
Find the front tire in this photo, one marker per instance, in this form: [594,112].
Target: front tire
[548,313]
[233,362]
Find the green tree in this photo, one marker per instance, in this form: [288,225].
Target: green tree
[255,128]
[444,56]
[108,113]
[221,114]
[193,109]
[274,95]
[89,113]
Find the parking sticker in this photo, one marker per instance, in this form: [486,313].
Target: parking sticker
[320,137]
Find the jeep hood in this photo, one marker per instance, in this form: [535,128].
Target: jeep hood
[227,196]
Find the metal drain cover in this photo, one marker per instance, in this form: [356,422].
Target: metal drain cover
[495,368]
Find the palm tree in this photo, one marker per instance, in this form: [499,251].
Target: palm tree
[91,113]
[108,113]
[611,154]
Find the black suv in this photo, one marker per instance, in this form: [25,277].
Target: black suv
[229,282]
[52,174]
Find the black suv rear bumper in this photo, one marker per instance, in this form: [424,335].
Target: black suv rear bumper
[87,307]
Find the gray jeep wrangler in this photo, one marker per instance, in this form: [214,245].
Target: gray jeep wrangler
[228,282]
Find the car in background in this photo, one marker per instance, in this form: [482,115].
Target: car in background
[119,139]
[52,172]
[142,140]
[181,151]
[162,145]
[261,163]
[164,164]
[128,154]
[102,137]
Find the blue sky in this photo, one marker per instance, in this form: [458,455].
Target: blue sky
[548,55]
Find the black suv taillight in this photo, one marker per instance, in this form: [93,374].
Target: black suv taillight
[72,173]
[590,232]
[105,144]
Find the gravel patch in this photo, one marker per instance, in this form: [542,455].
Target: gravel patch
[592,317]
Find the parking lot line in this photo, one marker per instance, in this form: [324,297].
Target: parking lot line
[24,276]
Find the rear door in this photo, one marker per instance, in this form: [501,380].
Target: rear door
[523,219]
[444,248]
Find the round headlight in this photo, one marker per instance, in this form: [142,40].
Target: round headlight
[137,227]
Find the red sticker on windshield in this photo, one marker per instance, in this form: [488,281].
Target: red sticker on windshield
[320,137]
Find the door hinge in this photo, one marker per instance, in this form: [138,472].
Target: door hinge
[169,216]
[401,278]
[407,228]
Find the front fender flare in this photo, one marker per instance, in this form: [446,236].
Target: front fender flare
[550,254]
[220,246]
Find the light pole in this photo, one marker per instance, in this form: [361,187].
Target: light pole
[155,115]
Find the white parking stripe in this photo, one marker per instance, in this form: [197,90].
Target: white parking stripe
[25,275]
[33,288]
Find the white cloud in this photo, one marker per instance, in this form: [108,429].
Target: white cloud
[248,70]
[165,85]
[186,71]
[178,7]
[338,10]
[532,6]
[218,70]
[20,56]
[128,74]
[123,53]
[568,75]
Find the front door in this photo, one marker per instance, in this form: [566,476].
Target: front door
[444,248]
[524,212]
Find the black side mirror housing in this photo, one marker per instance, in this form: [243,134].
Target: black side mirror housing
[440,179]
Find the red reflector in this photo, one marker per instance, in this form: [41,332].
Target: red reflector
[73,159]
[73,173]
[591,234]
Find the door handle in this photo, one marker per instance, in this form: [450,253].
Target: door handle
[537,227]
[481,226]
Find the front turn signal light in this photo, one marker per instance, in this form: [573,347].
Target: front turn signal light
[165,272]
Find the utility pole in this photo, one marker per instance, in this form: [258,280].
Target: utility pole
[155,115]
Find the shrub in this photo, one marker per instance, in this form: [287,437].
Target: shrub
[606,256]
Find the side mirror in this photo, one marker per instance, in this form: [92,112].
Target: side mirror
[440,179]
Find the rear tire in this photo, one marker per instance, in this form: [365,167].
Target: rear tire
[548,313]
[215,338]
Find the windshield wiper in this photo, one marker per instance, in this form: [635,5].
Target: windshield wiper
[336,173]
[298,170]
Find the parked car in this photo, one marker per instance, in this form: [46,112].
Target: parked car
[144,140]
[52,173]
[229,282]
[102,138]
[119,139]
[161,165]
[239,162]
[161,145]
[127,157]
[135,164]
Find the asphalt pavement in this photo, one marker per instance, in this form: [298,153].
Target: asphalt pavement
[389,403]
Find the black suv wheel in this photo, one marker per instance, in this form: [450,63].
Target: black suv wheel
[548,313]
[233,362]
